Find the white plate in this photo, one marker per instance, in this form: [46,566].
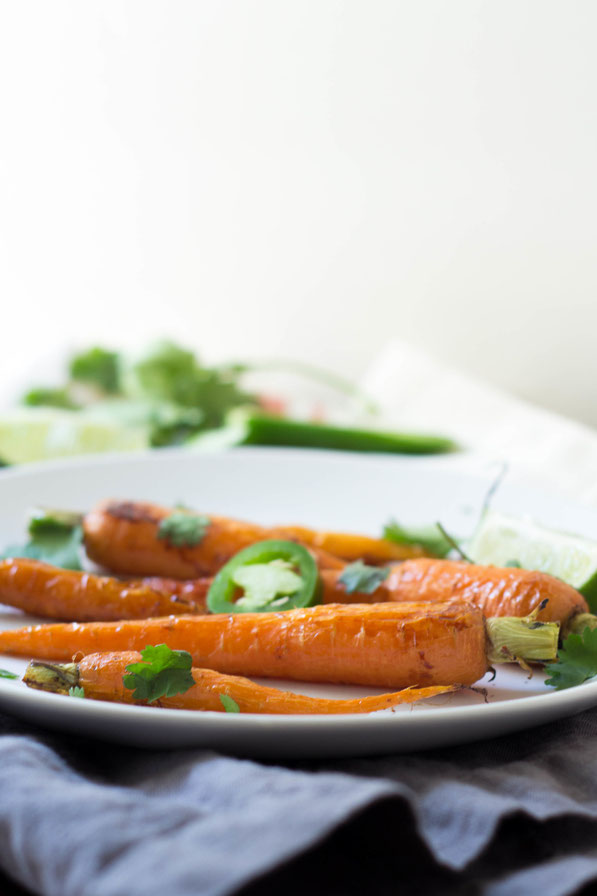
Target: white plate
[327,490]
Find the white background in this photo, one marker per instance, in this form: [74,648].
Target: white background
[305,178]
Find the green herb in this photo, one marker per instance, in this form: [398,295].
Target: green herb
[577,661]
[229,704]
[162,673]
[53,398]
[453,544]
[183,529]
[428,537]
[4,673]
[58,546]
[514,564]
[76,692]
[99,367]
[43,521]
[173,374]
[172,424]
[360,577]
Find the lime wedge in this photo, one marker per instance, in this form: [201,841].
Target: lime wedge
[32,434]
[503,540]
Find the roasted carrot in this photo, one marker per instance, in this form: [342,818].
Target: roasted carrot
[43,590]
[392,645]
[191,591]
[349,547]
[101,677]
[495,590]
[123,537]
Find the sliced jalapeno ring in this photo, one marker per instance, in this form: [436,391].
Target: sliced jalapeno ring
[273,575]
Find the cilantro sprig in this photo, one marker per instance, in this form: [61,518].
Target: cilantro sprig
[55,537]
[358,576]
[161,673]
[429,537]
[577,661]
[182,529]
[98,367]
[173,374]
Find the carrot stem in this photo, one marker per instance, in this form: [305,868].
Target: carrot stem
[55,677]
[512,639]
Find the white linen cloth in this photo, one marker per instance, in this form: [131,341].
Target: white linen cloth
[416,391]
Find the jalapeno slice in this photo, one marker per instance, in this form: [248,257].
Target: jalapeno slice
[272,575]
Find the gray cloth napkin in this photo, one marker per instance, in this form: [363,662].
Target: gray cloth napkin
[516,815]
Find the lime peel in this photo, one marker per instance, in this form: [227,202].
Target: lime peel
[504,540]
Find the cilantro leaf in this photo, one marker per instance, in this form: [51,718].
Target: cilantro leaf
[4,673]
[429,537]
[162,673]
[53,522]
[99,367]
[358,576]
[577,661]
[172,374]
[183,529]
[58,545]
[168,373]
[229,704]
[76,692]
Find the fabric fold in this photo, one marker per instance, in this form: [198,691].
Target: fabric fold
[101,820]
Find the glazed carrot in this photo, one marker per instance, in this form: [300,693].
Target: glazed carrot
[392,645]
[495,590]
[123,537]
[498,592]
[40,589]
[334,591]
[100,675]
[43,590]
[190,591]
[349,547]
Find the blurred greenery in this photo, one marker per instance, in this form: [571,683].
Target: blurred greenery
[167,389]
[99,367]
[168,397]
